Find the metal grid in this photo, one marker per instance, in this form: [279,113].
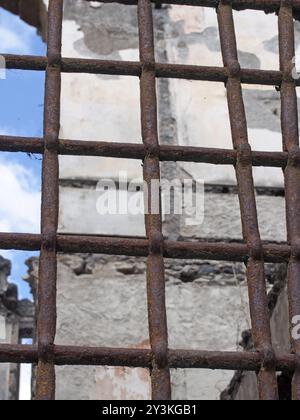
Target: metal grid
[159,359]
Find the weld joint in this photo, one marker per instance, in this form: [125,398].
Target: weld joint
[287,73]
[51,142]
[152,150]
[234,69]
[156,242]
[49,240]
[268,358]
[160,355]
[46,352]
[244,155]
[295,250]
[148,66]
[256,251]
[294,157]
[54,60]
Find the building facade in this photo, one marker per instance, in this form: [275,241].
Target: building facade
[101,299]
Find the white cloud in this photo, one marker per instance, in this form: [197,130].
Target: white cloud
[16,37]
[10,41]
[20,200]
[19,212]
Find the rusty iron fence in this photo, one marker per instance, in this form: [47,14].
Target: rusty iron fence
[160,359]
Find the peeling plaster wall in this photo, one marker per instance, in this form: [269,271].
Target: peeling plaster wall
[201,298]
[192,38]
[102,302]
[190,112]
[100,107]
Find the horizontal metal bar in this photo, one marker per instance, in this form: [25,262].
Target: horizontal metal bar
[177,358]
[21,144]
[246,361]
[20,241]
[127,68]
[25,62]
[18,353]
[65,355]
[95,66]
[268,6]
[222,251]
[140,247]
[138,151]
[217,74]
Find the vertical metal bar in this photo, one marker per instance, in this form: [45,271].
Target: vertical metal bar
[160,375]
[255,268]
[46,317]
[290,135]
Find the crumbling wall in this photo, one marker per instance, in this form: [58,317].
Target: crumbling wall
[243,386]
[102,302]
[16,322]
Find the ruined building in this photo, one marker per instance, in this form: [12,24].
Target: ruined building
[102,299]
[16,323]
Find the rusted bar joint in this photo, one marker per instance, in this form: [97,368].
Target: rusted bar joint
[49,240]
[294,157]
[233,69]
[256,251]
[160,355]
[295,250]
[148,66]
[54,60]
[156,243]
[46,352]
[51,141]
[244,155]
[268,358]
[152,149]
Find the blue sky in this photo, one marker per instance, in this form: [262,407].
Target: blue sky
[22,97]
